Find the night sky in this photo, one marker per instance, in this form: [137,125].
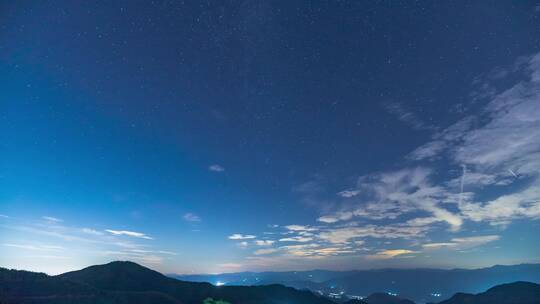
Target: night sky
[273,135]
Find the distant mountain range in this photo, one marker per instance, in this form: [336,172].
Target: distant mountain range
[130,283]
[420,285]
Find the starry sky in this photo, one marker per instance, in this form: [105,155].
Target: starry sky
[204,137]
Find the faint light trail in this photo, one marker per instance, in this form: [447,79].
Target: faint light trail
[464,167]
[512,172]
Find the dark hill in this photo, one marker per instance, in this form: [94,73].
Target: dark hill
[127,282]
[31,284]
[512,293]
[129,276]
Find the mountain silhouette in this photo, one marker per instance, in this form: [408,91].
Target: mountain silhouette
[128,282]
[420,285]
[129,276]
[512,293]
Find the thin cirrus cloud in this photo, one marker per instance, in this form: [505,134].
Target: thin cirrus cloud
[463,242]
[91,231]
[33,247]
[52,219]
[407,116]
[391,253]
[336,217]
[265,251]
[493,149]
[264,242]
[129,233]
[243,244]
[348,193]
[394,193]
[299,239]
[315,250]
[72,238]
[216,168]
[152,251]
[238,236]
[396,231]
[191,217]
[300,228]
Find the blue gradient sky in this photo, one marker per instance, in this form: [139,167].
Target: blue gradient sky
[269,136]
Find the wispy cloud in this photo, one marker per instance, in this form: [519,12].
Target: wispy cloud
[265,251]
[346,234]
[52,219]
[501,146]
[443,140]
[73,238]
[428,151]
[407,116]
[129,233]
[495,148]
[238,236]
[392,253]
[336,217]
[216,168]
[34,247]
[504,209]
[298,239]
[313,193]
[264,242]
[227,267]
[91,231]
[438,245]
[300,228]
[191,217]
[243,244]
[463,242]
[348,193]
[152,251]
[391,194]
[315,250]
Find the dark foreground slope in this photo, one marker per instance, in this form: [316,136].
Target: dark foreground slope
[126,282]
[513,293]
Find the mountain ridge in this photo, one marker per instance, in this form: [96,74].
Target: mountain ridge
[419,284]
[354,270]
[511,293]
[124,282]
